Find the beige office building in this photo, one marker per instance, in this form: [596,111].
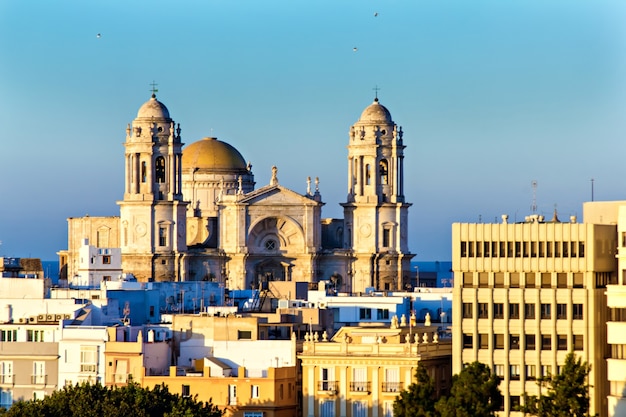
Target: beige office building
[527,294]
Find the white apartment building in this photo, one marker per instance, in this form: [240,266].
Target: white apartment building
[527,294]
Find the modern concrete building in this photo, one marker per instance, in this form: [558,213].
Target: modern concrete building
[527,294]
[360,370]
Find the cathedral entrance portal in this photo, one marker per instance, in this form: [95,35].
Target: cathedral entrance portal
[270,270]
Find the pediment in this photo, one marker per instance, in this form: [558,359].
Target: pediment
[276,195]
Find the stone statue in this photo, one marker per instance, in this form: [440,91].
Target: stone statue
[427,320]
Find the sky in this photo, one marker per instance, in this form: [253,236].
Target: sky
[492,97]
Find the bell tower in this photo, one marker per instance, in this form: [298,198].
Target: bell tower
[376,214]
[152,213]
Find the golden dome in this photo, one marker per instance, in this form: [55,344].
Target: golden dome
[210,153]
[153,108]
[376,113]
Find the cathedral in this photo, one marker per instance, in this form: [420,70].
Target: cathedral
[193,213]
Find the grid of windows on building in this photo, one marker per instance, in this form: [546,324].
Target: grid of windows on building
[522,249]
[34,336]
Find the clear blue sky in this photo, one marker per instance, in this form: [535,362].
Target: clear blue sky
[491,96]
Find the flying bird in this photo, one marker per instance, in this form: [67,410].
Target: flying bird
[375,14]
[355,49]
[98,36]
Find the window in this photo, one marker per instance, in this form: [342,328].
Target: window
[530,280]
[514,341]
[327,379]
[546,370]
[577,311]
[514,372]
[88,359]
[6,398]
[561,342]
[483,341]
[486,249]
[159,169]
[513,311]
[468,279]
[529,311]
[185,391]
[387,409]
[561,311]
[359,380]
[162,236]
[531,372]
[498,280]
[8,336]
[359,408]
[498,311]
[39,372]
[106,260]
[382,314]
[368,180]
[514,280]
[244,334]
[581,250]
[561,280]
[529,342]
[498,370]
[386,238]
[578,342]
[253,414]
[546,342]
[464,249]
[392,380]
[467,310]
[483,280]
[578,280]
[365,313]
[498,341]
[232,394]
[515,402]
[468,340]
[542,252]
[144,171]
[483,310]
[546,280]
[254,391]
[34,336]
[546,312]
[6,372]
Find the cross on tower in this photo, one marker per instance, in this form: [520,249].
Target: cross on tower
[154,89]
[376,89]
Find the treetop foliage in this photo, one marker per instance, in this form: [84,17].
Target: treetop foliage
[96,400]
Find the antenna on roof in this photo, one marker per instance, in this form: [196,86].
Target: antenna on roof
[533,207]
[592,189]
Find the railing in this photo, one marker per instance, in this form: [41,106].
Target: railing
[328,385]
[391,386]
[39,379]
[6,379]
[360,386]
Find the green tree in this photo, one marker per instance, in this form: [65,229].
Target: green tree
[418,400]
[96,400]
[567,392]
[474,393]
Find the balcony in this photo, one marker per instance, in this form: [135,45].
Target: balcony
[391,387]
[328,386]
[360,386]
[120,378]
[39,379]
[7,379]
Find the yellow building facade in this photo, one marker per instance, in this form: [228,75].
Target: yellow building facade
[272,395]
[360,371]
[527,294]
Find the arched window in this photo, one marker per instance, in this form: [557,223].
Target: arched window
[383,171]
[367,174]
[143,171]
[160,169]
